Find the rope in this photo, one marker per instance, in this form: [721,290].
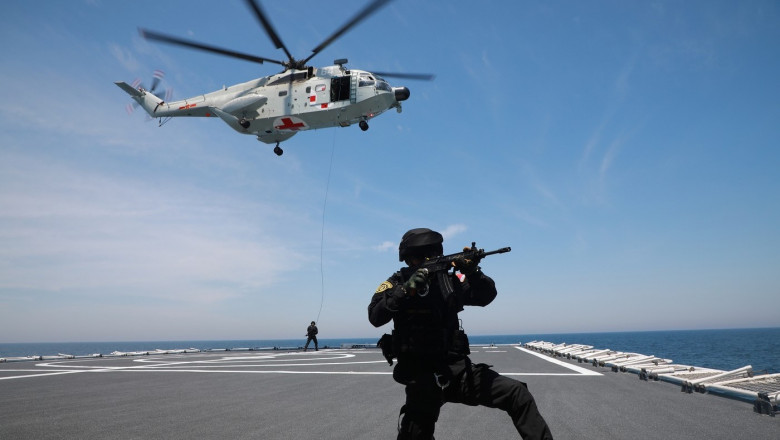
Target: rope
[322,231]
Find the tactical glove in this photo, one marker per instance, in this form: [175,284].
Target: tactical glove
[418,281]
[466,266]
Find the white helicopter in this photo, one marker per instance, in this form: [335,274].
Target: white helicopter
[274,108]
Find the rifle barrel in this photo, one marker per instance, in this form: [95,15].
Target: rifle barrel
[499,251]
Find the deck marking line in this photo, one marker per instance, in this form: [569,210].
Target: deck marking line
[254,365]
[582,371]
[543,374]
[259,372]
[53,373]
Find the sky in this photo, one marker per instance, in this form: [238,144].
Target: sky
[628,152]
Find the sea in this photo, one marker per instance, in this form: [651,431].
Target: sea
[724,349]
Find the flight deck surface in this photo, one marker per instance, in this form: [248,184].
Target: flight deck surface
[338,394]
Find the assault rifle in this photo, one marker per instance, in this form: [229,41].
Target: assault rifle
[440,266]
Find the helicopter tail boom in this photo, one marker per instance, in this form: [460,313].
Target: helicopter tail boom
[146,99]
[128,88]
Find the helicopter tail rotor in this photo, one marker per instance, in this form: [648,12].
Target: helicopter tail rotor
[157,77]
[137,86]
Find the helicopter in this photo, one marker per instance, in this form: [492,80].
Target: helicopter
[301,97]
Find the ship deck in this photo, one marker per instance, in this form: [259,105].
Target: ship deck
[338,394]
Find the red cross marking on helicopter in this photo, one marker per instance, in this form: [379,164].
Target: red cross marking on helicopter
[288,124]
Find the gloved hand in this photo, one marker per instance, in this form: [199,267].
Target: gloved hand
[418,281]
[466,266]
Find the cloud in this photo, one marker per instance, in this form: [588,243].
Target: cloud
[609,157]
[540,187]
[66,228]
[525,216]
[385,246]
[620,91]
[453,230]
[125,57]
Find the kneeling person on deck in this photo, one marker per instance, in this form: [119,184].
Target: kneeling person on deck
[431,348]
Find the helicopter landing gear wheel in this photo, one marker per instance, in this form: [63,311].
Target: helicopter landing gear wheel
[244,123]
[363,125]
[277,150]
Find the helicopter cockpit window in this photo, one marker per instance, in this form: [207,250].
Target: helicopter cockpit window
[365,81]
[383,85]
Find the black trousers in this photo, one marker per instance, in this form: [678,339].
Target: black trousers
[470,384]
[309,339]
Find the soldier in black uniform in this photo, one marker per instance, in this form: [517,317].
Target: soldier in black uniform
[432,349]
[311,335]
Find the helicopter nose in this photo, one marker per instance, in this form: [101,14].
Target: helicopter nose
[401,93]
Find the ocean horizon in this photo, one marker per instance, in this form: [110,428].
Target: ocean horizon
[725,349]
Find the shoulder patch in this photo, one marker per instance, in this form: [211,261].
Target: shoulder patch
[384,286]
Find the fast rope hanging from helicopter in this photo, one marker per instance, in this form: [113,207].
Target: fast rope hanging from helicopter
[322,230]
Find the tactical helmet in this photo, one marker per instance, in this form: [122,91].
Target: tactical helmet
[420,242]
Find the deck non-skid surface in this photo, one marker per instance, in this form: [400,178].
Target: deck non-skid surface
[339,394]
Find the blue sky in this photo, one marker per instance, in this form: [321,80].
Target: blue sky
[626,151]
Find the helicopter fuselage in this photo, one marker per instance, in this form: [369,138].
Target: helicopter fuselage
[275,108]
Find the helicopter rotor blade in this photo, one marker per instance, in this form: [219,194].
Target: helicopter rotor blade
[269,29]
[419,76]
[360,16]
[162,38]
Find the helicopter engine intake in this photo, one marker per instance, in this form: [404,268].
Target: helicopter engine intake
[401,93]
